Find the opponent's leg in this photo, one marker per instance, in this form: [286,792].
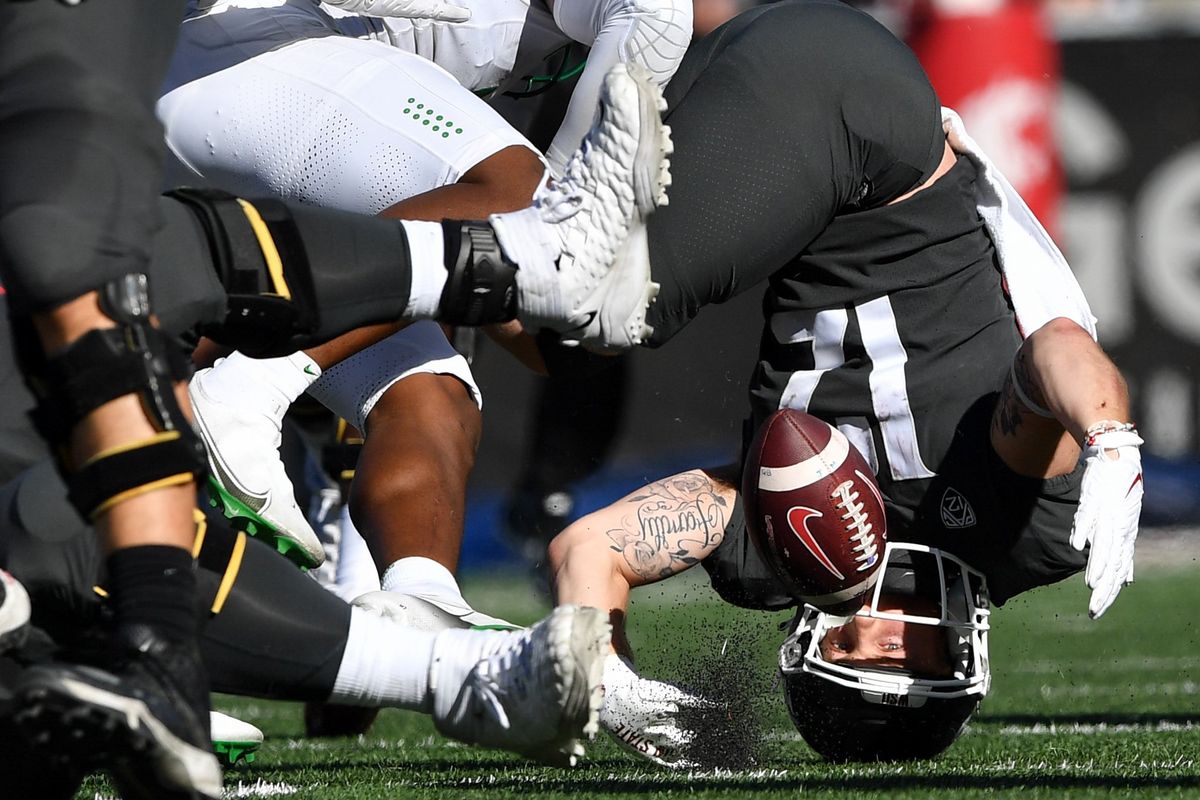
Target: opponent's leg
[268,631]
[240,402]
[79,156]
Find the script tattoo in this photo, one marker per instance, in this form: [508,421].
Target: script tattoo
[672,525]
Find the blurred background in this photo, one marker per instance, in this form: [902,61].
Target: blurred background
[1090,107]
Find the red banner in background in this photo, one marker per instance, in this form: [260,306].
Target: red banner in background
[995,63]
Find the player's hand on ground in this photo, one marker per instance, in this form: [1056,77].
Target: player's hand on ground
[1110,502]
[649,718]
[439,10]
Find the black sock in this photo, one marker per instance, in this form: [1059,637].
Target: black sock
[154,585]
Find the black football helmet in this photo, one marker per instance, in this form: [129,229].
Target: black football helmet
[859,713]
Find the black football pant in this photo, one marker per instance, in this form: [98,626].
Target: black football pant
[272,632]
[756,115]
[80,148]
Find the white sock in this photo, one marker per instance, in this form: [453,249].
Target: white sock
[424,578]
[427,254]
[527,241]
[356,573]
[281,380]
[384,664]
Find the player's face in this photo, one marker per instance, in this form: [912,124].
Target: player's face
[872,642]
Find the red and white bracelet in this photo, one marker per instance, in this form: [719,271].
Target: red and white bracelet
[1106,426]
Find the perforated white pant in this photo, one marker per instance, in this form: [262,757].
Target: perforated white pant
[334,121]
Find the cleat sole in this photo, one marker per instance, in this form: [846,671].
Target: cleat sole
[581,643]
[233,752]
[246,519]
[88,727]
[653,173]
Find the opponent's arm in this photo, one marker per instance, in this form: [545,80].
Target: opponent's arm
[1065,400]
[439,10]
[653,34]
[653,533]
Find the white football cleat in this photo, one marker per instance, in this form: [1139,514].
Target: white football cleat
[643,716]
[14,612]
[538,693]
[234,739]
[246,477]
[620,322]
[429,613]
[619,175]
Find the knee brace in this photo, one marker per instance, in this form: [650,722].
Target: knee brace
[102,365]
[261,261]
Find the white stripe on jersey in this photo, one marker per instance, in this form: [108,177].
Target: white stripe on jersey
[889,388]
[826,330]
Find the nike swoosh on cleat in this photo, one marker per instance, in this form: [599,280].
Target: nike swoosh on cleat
[255,503]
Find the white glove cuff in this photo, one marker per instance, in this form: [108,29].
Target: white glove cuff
[1125,442]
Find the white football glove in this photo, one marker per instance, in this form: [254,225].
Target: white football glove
[1110,502]
[643,715]
[439,10]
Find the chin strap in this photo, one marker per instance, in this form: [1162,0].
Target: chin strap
[102,365]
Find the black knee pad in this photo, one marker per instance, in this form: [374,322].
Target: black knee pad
[261,261]
[106,363]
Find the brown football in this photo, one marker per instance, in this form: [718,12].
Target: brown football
[814,510]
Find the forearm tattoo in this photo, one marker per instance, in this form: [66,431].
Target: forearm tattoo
[1022,393]
[670,525]
[1007,417]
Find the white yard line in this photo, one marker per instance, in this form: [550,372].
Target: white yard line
[259,788]
[1098,728]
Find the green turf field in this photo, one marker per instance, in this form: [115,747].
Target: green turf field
[1078,709]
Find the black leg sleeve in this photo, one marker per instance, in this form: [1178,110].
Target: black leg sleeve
[274,632]
[277,633]
[358,267]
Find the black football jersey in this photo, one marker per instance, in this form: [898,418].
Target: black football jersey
[891,326]
[795,125]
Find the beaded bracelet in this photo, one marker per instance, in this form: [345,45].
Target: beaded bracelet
[1106,426]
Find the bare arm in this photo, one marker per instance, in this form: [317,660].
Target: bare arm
[1061,384]
[1064,402]
[651,534]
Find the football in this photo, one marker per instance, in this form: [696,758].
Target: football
[814,510]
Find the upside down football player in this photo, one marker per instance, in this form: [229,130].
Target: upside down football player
[913,303]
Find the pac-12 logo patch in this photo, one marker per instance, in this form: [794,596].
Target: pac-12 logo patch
[956,510]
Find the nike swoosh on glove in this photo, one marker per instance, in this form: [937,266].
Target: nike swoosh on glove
[1110,502]
[439,10]
[648,718]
